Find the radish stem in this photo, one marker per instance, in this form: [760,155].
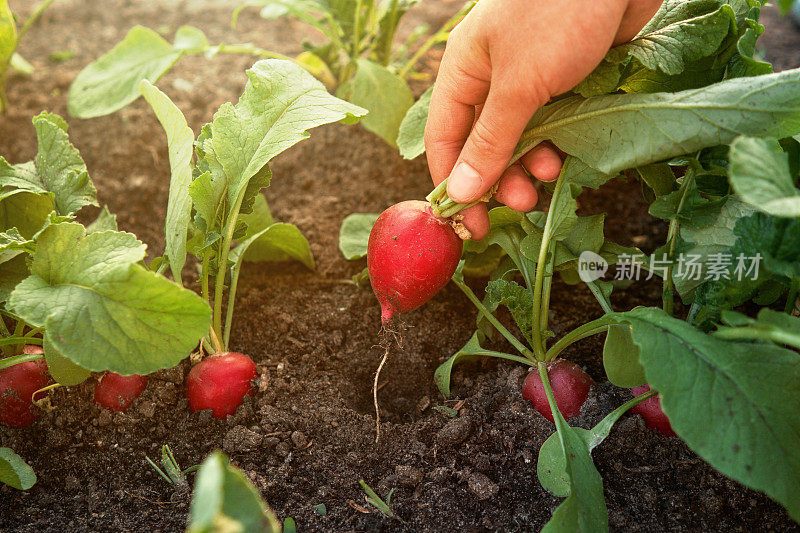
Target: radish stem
[5,341]
[219,282]
[439,36]
[586,330]
[231,302]
[17,359]
[791,300]
[668,289]
[541,268]
[521,348]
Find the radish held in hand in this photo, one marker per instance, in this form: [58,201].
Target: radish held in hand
[651,411]
[411,256]
[17,385]
[570,386]
[220,382]
[117,392]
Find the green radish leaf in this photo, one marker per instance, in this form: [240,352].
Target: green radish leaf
[659,177]
[698,74]
[769,292]
[190,39]
[680,34]
[621,358]
[8,36]
[112,81]
[20,65]
[381,92]
[14,471]
[771,326]
[581,234]
[354,234]
[585,507]
[604,79]
[737,408]
[280,103]
[259,219]
[311,12]
[411,137]
[224,499]
[506,232]
[759,173]
[58,168]
[472,349]
[669,46]
[105,221]
[101,309]
[586,234]
[12,244]
[389,15]
[483,264]
[766,105]
[518,301]
[551,465]
[704,241]
[62,369]
[180,141]
[25,211]
[691,210]
[12,272]
[279,242]
[772,239]
[743,62]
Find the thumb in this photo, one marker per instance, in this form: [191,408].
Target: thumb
[490,145]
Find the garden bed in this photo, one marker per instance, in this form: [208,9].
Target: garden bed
[307,437]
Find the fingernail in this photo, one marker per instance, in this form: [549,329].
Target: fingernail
[464,183]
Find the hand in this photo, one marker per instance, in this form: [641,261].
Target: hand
[505,60]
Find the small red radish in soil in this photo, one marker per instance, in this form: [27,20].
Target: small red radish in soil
[17,385]
[117,392]
[411,256]
[220,382]
[570,386]
[651,411]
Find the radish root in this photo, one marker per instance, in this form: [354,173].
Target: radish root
[389,338]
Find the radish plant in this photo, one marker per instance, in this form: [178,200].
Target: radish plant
[217,213]
[10,37]
[81,292]
[711,114]
[361,60]
[76,299]
[224,499]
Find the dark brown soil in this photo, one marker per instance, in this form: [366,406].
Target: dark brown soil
[308,437]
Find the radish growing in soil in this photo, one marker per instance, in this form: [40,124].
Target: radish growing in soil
[570,388]
[220,382]
[253,131]
[651,412]
[411,256]
[17,385]
[117,392]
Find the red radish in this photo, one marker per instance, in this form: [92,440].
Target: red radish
[17,385]
[220,382]
[411,256]
[117,392]
[651,411]
[570,386]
